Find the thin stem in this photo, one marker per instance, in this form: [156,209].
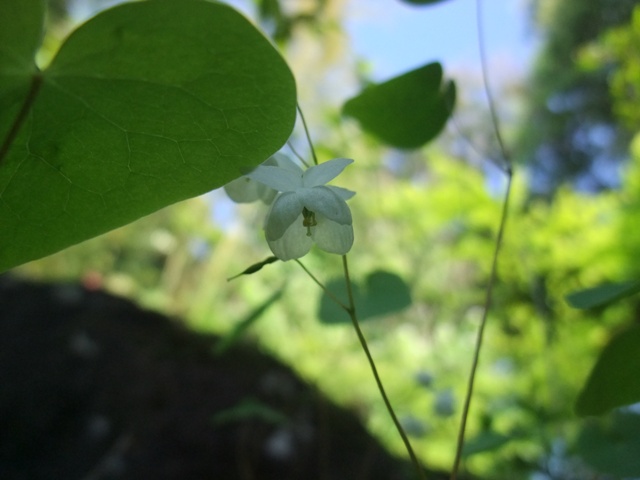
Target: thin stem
[321,285]
[496,252]
[487,88]
[306,132]
[480,334]
[363,342]
[298,156]
[36,82]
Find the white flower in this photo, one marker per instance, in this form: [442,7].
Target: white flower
[247,190]
[307,210]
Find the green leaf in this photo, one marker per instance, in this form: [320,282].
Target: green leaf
[611,444]
[406,111]
[250,409]
[232,337]
[19,40]
[256,267]
[422,2]
[485,441]
[602,295]
[382,294]
[147,104]
[615,379]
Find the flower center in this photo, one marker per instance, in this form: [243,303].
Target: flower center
[308,220]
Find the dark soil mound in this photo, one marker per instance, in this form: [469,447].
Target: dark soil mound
[94,388]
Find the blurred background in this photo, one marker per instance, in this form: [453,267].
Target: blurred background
[565,77]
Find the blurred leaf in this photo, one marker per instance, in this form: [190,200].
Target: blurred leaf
[382,294]
[615,379]
[256,267]
[231,338]
[602,295]
[422,2]
[250,409]
[406,111]
[485,441]
[147,104]
[611,444]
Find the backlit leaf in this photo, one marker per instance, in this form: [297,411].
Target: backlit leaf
[147,104]
[406,111]
[422,2]
[602,295]
[611,444]
[615,379]
[383,293]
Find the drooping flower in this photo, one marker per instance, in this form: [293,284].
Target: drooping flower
[247,190]
[307,211]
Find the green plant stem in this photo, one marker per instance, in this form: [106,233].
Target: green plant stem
[351,310]
[36,82]
[480,333]
[494,262]
[321,285]
[306,132]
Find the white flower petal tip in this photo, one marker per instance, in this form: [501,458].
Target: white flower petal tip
[307,211]
[247,189]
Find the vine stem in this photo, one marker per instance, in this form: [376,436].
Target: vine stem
[351,310]
[306,131]
[363,342]
[480,333]
[494,262]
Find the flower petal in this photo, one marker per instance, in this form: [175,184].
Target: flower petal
[278,178]
[243,190]
[325,201]
[285,210]
[331,236]
[342,192]
[325,172]
[293,244]
[283,161]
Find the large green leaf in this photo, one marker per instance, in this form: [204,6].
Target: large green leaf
[145,105]
[382,293]
[611,444]
[602,295]
[19,40]
[406,111]
[615,379]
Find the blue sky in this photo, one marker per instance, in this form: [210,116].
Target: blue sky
[395,37]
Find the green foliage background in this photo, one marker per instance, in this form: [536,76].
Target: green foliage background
[429,218]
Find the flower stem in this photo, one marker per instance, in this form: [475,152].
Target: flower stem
[321,285]
[306,132]
[351,310]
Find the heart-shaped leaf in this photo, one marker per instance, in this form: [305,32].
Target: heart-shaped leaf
[147,104]
[615,379]
[406,111]
[383,293]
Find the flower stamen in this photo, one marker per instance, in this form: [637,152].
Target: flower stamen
[308,220]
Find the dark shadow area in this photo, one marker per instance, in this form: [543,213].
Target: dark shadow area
[93,388]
